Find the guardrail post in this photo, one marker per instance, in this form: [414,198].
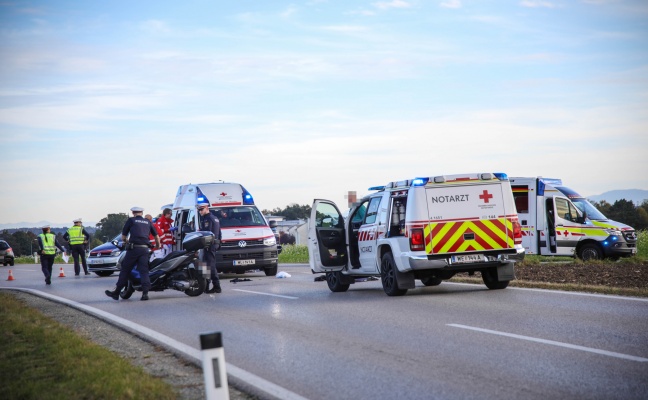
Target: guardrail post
[213,363]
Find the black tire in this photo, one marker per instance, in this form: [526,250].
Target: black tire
[127,292]
[388,276]
[489,276]
[198,283]
[104,273]
[432,281]
[334,282]
[272,271]
[590,251]
[11,264]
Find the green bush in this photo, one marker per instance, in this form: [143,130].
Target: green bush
[294,253]
[642,244]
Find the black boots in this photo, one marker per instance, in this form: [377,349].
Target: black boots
[144,296]
[215,289]
[114,294]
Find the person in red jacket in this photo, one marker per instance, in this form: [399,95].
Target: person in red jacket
[157,251]
[164,223]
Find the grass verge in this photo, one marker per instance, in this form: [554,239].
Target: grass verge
[42,359]
[570,287]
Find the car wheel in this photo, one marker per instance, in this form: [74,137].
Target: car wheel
[127,292]
[198,283]
[432,281]
[271,271]
[104,273]
[334,282]
[388,276]
[489,276]
[590,251]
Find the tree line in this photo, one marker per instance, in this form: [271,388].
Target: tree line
[23,241]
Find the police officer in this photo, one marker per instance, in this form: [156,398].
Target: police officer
[78,239]
[137,252]
[47,246]
[209,223]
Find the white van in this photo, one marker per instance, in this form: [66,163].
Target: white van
[425,228]
[247,243]
[557,221]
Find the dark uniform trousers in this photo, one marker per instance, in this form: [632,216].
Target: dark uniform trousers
[136,256]
[78,250]
[209,258]
[47,262]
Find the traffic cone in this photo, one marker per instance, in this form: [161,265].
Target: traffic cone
[11,278]
[62,274]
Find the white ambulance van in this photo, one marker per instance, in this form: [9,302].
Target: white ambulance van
[557,221]
[425,228]
[248,242]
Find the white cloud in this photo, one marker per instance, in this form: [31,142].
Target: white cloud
[537,4]
[451,4]
[385,5]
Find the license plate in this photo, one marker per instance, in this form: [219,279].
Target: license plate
[91,261]
[469,258]
[244,262]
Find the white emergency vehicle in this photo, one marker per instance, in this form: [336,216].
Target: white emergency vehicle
[424,228]
[557,221]
[248,242]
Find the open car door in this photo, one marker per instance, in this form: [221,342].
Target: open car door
[327,248]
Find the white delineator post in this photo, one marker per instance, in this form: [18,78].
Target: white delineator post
[213,363]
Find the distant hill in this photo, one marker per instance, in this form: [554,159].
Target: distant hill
[637,196]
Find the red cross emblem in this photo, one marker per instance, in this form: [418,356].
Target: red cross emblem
[566,233]
[223,194]
[485,196]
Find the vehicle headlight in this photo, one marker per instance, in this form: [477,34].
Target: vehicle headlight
[115,253]
[613,232]
[271,241]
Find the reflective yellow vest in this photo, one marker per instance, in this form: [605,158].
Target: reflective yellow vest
[48,239]
[75,234]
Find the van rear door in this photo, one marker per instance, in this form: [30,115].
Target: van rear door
[468,218]
[327,248]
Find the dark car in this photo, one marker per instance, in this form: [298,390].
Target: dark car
[103,259]
[6,253]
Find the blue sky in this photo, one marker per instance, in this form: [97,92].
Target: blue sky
[107,105]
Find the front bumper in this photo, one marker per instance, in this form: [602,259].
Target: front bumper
[237,260]
[102,263]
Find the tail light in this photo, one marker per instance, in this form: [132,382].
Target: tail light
[417,243]
[517,232]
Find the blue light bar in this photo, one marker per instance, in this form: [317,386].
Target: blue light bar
[377,188]
[501,176]
[247,197]
[420,181]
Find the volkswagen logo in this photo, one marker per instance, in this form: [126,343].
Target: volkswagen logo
[242,243]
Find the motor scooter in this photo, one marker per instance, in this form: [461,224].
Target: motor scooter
[178,270]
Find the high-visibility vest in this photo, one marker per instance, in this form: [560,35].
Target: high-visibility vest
[48,239]
[76,235]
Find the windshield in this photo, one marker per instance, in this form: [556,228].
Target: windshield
[582,204]
[239,216]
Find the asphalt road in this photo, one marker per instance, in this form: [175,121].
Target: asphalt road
[453,341]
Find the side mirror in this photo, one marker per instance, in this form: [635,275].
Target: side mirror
[583,219]
[186,228]
[272,224]
[115,243]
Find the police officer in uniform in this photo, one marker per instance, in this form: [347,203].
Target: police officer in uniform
[209,223]
[78,239]
[137,252]
[47,246]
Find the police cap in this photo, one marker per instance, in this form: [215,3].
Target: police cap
[137,209]
[203,204]
[77,220]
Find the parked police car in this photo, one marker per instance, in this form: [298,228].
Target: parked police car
[103,258]
[426,228]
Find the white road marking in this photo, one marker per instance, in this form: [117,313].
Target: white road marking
[250,379]
[267,294]
[553,343]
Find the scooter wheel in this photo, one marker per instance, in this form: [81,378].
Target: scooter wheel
[127,292]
